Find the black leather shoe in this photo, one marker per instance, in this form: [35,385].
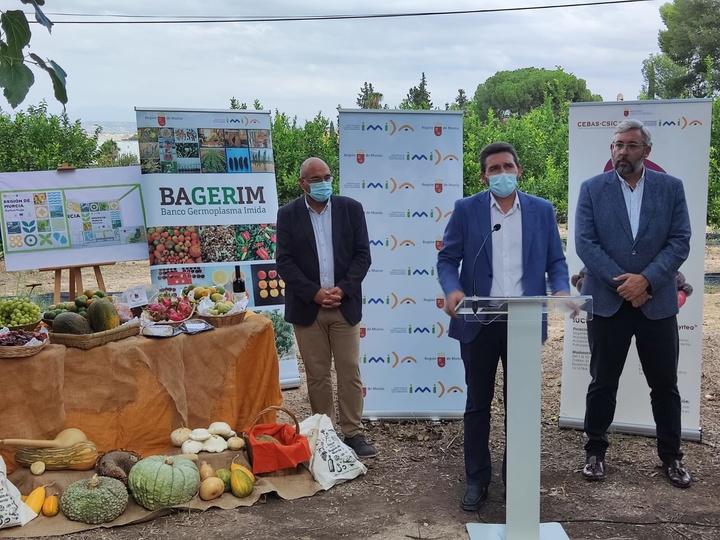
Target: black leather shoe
[594,469]
[677,474]
[475,496]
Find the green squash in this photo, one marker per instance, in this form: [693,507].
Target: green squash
[68,322]
[94,500]
[162,481]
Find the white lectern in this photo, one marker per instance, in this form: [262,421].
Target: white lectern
[524,320]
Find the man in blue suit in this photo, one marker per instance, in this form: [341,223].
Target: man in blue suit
[323,255]
[499,242]
[633,233]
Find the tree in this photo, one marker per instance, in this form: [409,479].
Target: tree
[662,78]
[692,39]
[109,156]
[38,141]
[522,90]
[16,78]
[368,98]
[418,97]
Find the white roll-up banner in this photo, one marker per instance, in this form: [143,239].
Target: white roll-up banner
[680,132]
[406,169]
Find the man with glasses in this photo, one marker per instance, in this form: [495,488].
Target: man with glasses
[632,232]
[323,254]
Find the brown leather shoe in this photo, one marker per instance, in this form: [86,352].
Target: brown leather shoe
[676,473]
[594,469]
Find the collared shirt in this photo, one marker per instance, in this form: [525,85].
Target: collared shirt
[507,265]
[633,201]
[322,227]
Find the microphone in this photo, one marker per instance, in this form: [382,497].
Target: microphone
[474,304]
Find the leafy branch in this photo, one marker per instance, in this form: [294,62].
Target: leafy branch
[16,78]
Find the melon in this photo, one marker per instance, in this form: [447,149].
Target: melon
[68,322]
[102,315]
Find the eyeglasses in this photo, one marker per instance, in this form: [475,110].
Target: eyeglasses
[318,179]
[631,147]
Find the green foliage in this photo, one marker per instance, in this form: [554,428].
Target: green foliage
[293,144]
[418,97]
[661,78]
[38,141]
[692,40]
[284,337]
[109,156]
[520,91]
[713,208]
[368,98]
[16,78]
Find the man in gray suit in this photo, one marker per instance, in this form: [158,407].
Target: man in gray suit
[633,233]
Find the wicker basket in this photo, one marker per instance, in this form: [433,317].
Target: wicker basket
[90,341]
[224,320]
[249,446]
[28,327]
[22,351]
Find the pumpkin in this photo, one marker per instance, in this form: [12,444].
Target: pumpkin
[76,457]
[94,500]
[68,322]
[102,315]
[36,498]
[51,506]
[240,484]
[162,481]
[234,466]
[117,464]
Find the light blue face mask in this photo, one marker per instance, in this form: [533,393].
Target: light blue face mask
[502,185]
[321,191]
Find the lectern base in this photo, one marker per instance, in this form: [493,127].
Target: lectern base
[487,531]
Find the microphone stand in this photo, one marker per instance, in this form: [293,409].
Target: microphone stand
[474,304]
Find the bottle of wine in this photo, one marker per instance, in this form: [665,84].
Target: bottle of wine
[238,285]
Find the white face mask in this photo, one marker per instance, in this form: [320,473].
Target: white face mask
[502,185]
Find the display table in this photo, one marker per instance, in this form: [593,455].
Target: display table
[132,393]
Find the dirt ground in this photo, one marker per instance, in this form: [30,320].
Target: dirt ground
[412,489]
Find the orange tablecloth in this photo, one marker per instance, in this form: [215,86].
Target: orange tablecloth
[132,393]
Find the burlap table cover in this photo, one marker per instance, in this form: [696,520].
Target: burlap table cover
[132,393]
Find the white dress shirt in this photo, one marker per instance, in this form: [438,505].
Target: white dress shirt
[633,200]
[322,227]
[507,268]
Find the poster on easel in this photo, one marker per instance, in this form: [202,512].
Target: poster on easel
[68,218]
[208,181]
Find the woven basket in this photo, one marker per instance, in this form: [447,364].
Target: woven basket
[22,351]
[223,320]
[28,327]
[90,341]
[249,449]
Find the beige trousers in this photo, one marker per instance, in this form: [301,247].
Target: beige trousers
[330,338]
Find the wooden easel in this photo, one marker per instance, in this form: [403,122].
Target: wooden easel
[75,279]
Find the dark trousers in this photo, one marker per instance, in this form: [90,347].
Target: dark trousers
[658,349]
[480,358]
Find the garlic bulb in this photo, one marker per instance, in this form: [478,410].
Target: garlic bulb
[235,443]
[180,435]
[214,444]
[221,428]
[191,447]
[200,434]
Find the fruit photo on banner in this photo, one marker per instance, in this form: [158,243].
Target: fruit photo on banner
[174,245]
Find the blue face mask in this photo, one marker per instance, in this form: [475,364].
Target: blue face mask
[321,191]
[502,185]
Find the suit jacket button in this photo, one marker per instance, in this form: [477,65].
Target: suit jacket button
[634,252]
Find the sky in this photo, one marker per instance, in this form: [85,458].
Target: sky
[302,68]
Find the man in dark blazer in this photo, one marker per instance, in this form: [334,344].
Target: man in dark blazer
[632,232]
[323,255]
[480,258]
